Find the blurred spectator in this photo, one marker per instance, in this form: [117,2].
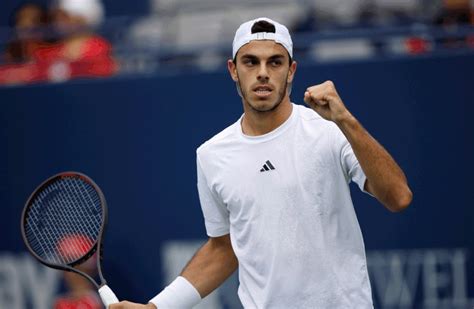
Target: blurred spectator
[28,22]
[453,14]
[79,52]
[396,12]
[80,292]
[328,13]
[76,52]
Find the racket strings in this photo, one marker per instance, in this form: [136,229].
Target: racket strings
[64,220]
[71,248]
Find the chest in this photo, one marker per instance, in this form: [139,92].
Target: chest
[277,176]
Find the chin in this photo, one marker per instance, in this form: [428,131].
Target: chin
[264,106]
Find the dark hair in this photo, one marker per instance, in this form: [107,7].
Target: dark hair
[23,5]
[263,26]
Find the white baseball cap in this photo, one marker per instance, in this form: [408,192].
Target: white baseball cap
[244,35]
[91,10]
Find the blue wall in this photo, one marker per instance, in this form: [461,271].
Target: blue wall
[136,137]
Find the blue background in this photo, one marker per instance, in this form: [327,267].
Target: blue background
[136,137]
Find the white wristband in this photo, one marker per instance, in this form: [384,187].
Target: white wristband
[180,294]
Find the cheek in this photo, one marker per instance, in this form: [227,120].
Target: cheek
[284,77]
[244,79]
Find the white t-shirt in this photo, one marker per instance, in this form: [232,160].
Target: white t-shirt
[284,198]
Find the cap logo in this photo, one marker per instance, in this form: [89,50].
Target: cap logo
[264,36]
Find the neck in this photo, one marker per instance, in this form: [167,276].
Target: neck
[256,123]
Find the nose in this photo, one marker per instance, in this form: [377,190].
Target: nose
[263,73]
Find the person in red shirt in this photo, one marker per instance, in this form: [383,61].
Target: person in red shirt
[28,23]
[77,53]
[81,293]
[79,49]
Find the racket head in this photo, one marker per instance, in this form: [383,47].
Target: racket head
[63,221]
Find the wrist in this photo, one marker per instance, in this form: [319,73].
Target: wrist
[179,294]
[344,119]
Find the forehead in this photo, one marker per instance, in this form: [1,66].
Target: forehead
[262,49]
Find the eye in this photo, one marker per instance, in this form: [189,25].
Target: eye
[276,62]
[250,62]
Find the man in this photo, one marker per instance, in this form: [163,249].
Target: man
[274,190]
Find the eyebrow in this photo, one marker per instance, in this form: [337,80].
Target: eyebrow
[253,57]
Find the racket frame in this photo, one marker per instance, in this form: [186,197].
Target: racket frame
[97,247]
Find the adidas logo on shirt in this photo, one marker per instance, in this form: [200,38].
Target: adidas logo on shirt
[267,166]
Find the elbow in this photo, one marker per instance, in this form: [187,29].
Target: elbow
[400,200]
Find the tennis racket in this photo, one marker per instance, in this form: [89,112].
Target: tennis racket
[63,224]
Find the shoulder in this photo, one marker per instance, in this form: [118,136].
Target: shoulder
[309,117]
[218,141]
[307,114]
[315,128]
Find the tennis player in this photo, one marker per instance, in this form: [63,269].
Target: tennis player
[274,190]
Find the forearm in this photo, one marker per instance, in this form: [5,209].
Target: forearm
[211,265]
[385,179]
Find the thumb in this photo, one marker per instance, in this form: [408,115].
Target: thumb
[307,98]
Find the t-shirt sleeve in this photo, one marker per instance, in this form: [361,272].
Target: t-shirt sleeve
[352,169]
[216,215]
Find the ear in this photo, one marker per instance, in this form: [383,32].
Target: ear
[291,72]
[231,66]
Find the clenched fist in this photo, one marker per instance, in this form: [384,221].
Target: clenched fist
[325,100]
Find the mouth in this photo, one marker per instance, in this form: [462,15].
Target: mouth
[263,91]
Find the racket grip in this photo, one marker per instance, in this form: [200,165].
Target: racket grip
[108,297]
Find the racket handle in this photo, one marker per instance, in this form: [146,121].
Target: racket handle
[108,297]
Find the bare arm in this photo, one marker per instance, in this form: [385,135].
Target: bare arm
[385,179]
[211,265]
